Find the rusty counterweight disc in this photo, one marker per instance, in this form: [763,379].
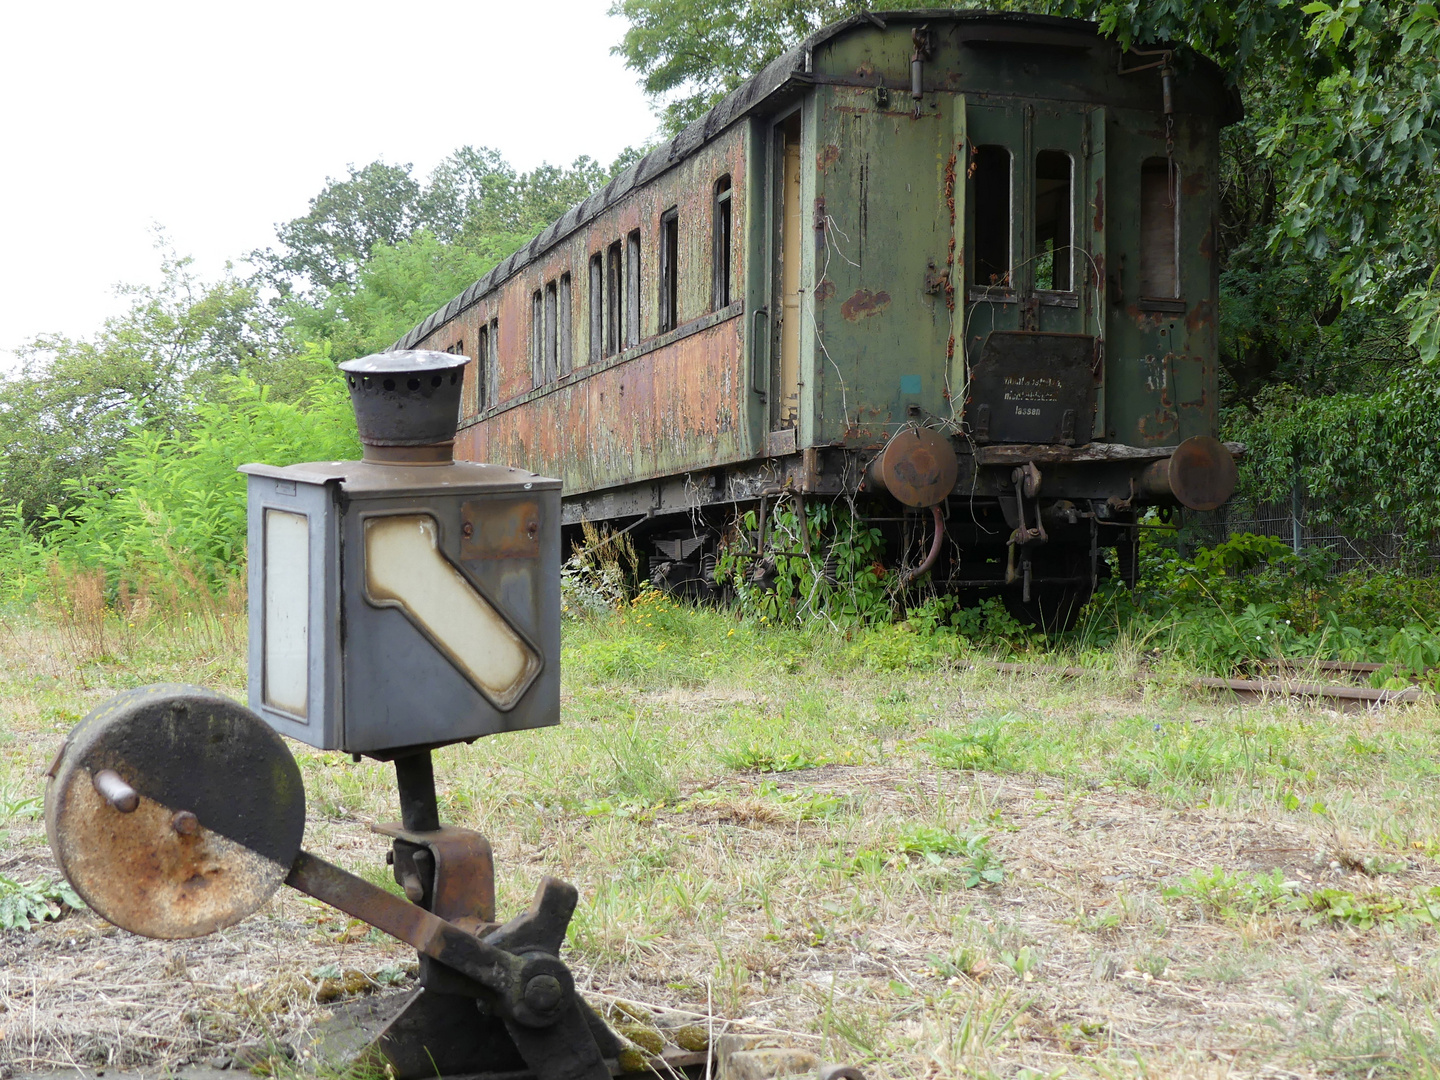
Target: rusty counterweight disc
[215,828]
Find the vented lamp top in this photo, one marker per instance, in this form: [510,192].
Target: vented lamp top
[407,404]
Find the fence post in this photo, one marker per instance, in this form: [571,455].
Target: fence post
[1295,502]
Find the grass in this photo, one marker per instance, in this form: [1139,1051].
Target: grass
[874,841]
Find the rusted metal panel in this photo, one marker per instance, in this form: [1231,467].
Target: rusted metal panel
[662,412]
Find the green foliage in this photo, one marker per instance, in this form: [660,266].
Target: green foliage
[172,503]
[841,579]
[1251,599]
[1371,456]
[23,905]
[73,402]
[980,747]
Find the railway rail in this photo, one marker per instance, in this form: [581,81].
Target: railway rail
[1339,696]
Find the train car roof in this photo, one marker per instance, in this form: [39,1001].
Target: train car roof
[785,73]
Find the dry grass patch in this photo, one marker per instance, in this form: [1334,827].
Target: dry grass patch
[932,871]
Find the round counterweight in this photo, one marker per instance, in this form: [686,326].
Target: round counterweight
[174,811]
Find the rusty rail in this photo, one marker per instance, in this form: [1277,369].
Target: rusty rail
[1343,698]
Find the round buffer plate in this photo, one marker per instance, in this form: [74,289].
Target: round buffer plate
[216,825]
[1203,473]
[919,467]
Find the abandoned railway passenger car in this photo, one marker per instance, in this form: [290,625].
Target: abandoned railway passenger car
[956,266]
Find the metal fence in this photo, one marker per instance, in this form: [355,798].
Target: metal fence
[1289,521]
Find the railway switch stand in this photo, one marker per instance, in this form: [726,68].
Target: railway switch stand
[399,603]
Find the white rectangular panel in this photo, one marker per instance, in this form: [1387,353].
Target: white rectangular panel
[287,611]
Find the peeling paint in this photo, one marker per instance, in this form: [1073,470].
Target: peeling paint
[864,303]
[828,155]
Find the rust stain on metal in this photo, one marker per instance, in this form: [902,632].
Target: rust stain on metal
[864,303]
[827,156]
[140,871]
[1207,243]
[824,291]
[1099,202]
[503,529]
[1192,184]
[1201,315]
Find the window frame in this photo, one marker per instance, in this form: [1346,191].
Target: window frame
[564,321]
[615,298]
[722,252]
[537,338]
[1003,290]
[632,289]
[596,345]
[1034,224]
[1146,269]
[668,279]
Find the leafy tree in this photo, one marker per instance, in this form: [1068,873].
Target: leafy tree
[474,210]
[172,502]
[377,204]
[74,400]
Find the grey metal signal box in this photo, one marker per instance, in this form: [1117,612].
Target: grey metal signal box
[405,600]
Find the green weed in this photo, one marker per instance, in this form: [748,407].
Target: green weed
[25,904]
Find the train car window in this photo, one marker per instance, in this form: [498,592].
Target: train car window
[596,348]
[615,298]
[1159,230]
[720,246]
[492,378]
[482,371]
[551,325]
[632,289]
[991,170]
[564,358]
[537,338]
[669,271]
[1054,229]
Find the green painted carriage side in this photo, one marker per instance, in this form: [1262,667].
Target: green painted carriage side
[889,323]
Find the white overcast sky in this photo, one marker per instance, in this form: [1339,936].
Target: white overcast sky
[219,120]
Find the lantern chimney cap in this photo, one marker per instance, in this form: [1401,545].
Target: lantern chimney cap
[406,399]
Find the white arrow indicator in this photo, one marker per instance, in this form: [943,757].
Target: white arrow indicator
[405,568]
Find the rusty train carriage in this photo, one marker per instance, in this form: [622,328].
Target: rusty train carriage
[921,244]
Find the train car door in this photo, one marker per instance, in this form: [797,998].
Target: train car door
[1031,364]
[785,389]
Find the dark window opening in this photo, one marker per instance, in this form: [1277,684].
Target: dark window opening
[564,359]
[597,307]
[537,338]
[482,370]
[615,299]
[669,269]
[1159,230]
[1054,229]
[990,176]
[492,378]
[720,289]
[632,289]
[551,324]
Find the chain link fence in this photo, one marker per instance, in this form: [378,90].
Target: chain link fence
[1289,521]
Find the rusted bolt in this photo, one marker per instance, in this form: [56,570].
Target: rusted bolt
[467,530]
[543,994]
[531,529]
[185,823]
[115,791]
